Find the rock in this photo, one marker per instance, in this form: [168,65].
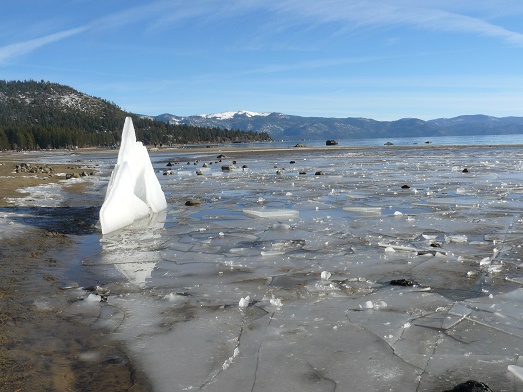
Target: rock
[402,282]
[169,164]
[228,167]
[245,167]
[292,162]
[221,156]
[319,173]
[405,186]
[84,174]
[299,145]
[278,172]
[465,170]
[302,172]
[331,143]
[470,386]
[389,144]
[168,172]
[192,202]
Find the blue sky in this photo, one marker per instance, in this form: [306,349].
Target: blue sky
[381,59]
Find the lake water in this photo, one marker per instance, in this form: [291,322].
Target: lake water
[403,141]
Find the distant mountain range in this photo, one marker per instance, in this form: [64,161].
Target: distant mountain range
[48,115]
[288,127]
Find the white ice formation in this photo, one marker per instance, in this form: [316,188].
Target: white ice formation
[134,191]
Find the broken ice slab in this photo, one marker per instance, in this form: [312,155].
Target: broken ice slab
[364,210]
[271,213]
[516,371]
[465,201]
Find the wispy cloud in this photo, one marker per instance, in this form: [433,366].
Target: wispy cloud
[380,13]
[441,15]
[17,49]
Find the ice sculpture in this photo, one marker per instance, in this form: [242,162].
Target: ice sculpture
[134,191]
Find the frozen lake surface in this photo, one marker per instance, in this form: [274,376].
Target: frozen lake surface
[386,269]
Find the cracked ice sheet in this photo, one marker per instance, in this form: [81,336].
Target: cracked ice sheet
[186,328]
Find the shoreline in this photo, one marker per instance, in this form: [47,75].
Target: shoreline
[41,347]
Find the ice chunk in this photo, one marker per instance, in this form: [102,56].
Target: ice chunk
[134,190]
[244,302]
[516,371]
[364,210]
[270,213]
[458,239]
[276,302]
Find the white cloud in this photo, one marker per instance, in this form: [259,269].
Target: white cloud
[20,48]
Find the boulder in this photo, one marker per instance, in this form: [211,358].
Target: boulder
[471,386]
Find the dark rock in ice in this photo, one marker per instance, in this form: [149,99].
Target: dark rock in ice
[427,142]
[84,174]
[299,145]
[319,173]
[331,143]
[470,386]
[292,162]
[405,186]
[112,361]
[228,167]
[234,162]
[245,167]
[465,170]
[169,164]
[303,172]
[402,282]
[435,245]
[183,293]
[389,144]
[192,202]
[221,156]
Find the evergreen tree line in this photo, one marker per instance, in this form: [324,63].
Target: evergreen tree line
[40,115]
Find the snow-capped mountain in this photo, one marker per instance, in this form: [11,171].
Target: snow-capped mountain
[283,126]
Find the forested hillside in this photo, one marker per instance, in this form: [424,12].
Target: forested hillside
[41,115]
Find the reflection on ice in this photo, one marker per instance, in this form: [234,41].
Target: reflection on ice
[281,282]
